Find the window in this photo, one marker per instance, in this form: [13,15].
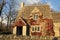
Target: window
[38,28]
[32,28]
[35,29]
[35,16]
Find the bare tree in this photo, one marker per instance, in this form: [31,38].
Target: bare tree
[1,8]
[11,15]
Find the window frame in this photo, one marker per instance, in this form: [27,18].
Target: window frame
[36,16]
[35,28]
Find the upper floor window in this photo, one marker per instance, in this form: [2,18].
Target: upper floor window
[36,16]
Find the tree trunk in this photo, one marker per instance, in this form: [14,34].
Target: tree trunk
[1,23]
[7,23]
[10,24]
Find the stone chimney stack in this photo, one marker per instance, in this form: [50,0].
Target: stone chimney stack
[22,4]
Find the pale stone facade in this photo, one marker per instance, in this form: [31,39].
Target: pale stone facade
[24,30]
[14,30]
[57,29]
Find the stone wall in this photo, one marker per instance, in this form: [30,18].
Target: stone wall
[17,37]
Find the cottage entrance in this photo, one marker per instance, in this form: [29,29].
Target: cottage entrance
[28,31]
[22,30]
[19,30]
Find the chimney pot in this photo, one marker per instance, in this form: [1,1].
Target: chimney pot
[22,4]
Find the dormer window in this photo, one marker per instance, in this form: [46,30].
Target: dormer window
[35,16]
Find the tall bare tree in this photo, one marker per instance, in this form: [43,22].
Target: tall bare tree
[11,15]
[1,8]
[10,12]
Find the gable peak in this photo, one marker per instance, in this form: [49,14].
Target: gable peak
[35,10]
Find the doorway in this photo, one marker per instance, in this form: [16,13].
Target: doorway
[28,30]
[19,30]
[23,30]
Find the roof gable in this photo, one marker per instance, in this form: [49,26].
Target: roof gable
[35,10]
[26,10]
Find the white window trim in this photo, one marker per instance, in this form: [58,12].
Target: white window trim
[35,16]
[36,28]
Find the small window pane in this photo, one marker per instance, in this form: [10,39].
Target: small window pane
[32,28]
[35,28]
[35,16]
[38,28]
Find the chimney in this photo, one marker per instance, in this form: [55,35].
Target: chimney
[22,4]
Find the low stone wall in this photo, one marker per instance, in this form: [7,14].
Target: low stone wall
[17,37]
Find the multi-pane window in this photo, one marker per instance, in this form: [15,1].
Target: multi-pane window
[35,16]
[35,29]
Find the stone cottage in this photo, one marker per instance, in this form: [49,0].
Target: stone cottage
[35,20]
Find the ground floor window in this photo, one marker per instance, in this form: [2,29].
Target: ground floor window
[35,29]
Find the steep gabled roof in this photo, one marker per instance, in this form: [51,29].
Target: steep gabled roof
[56,16]
[47,13]
[26,10]
[19,22]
